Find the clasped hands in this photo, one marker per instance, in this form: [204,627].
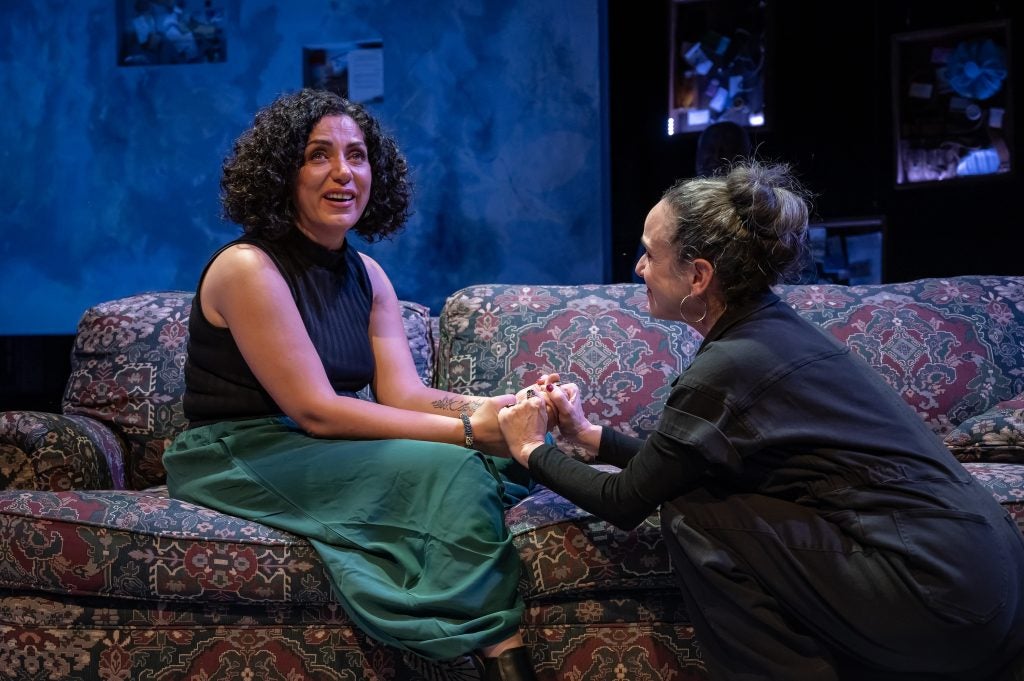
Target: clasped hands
[537,409]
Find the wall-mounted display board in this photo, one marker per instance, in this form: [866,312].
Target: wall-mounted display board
[717,63]
[951,99]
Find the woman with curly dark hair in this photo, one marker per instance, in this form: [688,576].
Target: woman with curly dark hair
[288,324]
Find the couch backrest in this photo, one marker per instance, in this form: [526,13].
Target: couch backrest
[127,370]
[496,338]
[952,347]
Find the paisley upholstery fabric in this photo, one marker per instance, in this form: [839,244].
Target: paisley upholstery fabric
[127,369]
[953,348]
[496,338]
[67,452]
[103,577]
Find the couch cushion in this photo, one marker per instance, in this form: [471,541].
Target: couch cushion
[420,332]
[497,338]
[568,553]
[996,435]
[142,545]
[1006,483]
[953,348]
[127,370]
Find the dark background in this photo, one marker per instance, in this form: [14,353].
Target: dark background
[829,111]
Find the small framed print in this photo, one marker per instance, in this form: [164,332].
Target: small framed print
[951,99]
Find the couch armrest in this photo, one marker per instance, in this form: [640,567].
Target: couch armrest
[43,451]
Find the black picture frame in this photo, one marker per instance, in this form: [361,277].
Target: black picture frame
[718,64]
[952,103]
[161,32]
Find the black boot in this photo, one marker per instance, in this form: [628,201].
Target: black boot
[512,665]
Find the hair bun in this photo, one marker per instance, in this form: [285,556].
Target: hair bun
[771,206]
[749,223]
[754,191]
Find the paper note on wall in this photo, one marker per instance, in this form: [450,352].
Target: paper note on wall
[354,70]
[366,74]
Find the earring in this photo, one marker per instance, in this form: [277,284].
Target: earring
[683,314]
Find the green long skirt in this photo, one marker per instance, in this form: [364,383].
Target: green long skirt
[412,532]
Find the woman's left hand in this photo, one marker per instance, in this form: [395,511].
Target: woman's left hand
[486,431]
[524,425]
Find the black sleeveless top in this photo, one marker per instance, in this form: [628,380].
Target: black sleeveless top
[333,293]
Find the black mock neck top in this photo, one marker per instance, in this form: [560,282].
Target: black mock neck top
[333,293]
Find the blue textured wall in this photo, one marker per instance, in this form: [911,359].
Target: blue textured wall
[110,174]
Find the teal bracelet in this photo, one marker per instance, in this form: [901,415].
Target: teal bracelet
[467,428]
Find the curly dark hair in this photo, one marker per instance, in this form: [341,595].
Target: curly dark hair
[750,223]
[258,177]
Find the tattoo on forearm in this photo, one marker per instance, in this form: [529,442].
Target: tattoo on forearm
[468,404]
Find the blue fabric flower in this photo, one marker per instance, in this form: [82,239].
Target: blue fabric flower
[976,69]
[979,162]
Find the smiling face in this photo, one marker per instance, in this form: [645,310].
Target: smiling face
[333,185]
[664,275]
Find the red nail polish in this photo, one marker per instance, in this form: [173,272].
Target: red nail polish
[540,381]
[550,387]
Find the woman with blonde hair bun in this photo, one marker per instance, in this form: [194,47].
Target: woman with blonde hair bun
[819,529]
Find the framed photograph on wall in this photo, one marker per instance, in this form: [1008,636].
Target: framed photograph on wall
[718,58]
[951,99]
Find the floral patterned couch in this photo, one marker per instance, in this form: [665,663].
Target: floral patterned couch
[103,577]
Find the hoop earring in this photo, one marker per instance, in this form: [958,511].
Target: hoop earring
[683,314]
